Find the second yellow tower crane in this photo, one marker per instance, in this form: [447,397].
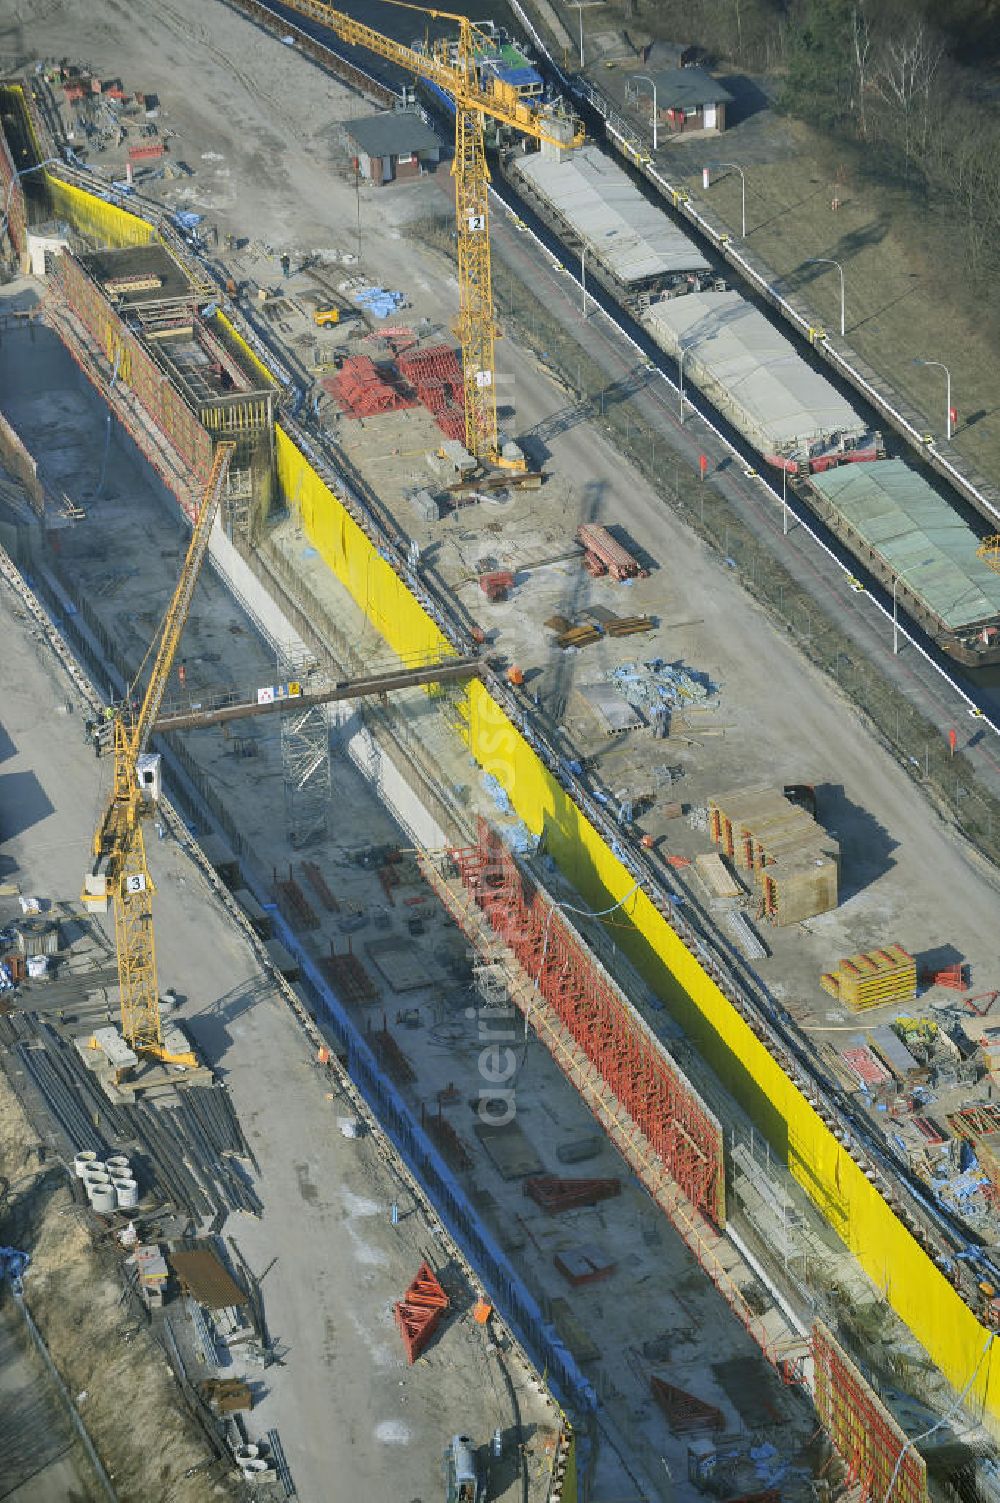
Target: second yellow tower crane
[451,66]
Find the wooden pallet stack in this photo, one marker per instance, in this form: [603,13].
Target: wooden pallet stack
[795,862]
[873,978]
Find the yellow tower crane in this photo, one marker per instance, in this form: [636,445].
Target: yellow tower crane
[119,870]
[989,552]
[452,67]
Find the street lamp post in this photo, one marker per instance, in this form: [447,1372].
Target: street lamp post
[645,78]
[784,501]
[49,162]
[828,261]
[947,373]
[732,166]
[583,277]
[578,6]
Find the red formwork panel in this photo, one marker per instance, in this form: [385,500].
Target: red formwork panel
[134,367]
[419,1312]
[13,197]
[684,1412]
[881,1464]
[633,1065]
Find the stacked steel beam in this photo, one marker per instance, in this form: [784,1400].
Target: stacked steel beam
[605,555]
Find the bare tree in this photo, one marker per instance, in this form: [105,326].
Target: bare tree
[862,43]
[903,79]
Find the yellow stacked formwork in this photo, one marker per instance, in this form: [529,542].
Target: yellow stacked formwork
[873,979]
[795,862]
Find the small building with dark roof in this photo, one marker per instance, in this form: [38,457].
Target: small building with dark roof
[687,99]
[396,144]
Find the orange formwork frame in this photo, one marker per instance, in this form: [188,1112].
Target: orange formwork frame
[881,1462]
[685,1136]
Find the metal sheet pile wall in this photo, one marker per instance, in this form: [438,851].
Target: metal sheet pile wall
[13,193]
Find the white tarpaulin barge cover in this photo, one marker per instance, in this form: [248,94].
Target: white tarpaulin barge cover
[753,374]
[634,240]
[891,510]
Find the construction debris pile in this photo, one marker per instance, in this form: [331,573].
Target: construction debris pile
[657,689]
[106,117]
[793,859]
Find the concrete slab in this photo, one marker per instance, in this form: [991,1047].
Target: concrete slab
[403,964]
[511,1152]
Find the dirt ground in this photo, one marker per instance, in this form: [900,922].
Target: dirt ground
[109,1361]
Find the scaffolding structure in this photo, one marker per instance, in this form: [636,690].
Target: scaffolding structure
[628,1057]
[305,759]
[882,1464]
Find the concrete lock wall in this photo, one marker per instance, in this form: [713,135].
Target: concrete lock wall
[896,1263]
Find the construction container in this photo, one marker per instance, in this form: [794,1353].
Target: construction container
[37,936]
[873,978]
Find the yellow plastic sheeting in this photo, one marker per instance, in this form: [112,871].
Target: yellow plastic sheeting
[915,1287]
[245,350]
[354,559]
[98,220]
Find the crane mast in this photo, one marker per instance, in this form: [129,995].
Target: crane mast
[452,68]
[119,850]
